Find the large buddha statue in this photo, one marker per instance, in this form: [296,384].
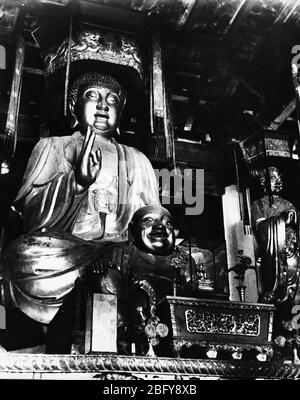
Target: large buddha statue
[87,184]
[275,223]
[79,191]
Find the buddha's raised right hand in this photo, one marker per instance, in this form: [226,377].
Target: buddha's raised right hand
[291,217]
[89,163]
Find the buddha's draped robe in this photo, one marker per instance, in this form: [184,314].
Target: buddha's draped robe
[47,197]
[64,232]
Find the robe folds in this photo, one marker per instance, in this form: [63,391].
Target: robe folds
[48,201]
[40,270]
[65,233]
[278,249]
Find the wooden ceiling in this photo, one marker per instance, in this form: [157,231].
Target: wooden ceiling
[227,61]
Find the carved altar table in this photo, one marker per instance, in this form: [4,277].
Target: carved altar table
[217,325]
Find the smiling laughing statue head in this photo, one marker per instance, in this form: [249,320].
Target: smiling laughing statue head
[152,230]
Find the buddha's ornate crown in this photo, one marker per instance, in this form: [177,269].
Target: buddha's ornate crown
[96,45]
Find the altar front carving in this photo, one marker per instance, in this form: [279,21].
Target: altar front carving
[219,327]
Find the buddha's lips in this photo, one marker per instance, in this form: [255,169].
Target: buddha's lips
[99,116]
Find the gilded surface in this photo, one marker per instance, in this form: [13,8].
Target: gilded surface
[98,46]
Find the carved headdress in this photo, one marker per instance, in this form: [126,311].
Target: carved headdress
[95,45]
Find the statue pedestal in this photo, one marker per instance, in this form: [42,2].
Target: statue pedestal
[108,367]
[218,326]
[101,323]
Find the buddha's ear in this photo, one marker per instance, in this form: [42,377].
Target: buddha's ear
[73,120]
[72,107]
[124,102]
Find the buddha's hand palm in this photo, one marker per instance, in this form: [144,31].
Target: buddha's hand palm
[89,162]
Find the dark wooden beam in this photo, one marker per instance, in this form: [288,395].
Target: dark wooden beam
[283,116]
[103,15]
[269,40]
[189,6]
[238,18]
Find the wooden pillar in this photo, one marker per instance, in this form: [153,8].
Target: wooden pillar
[101,323]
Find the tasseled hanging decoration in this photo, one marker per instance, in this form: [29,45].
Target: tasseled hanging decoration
[160,113]
[67,78]
[246,211]
[15,96]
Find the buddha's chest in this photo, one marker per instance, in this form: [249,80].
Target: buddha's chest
[103,193]
[109,164]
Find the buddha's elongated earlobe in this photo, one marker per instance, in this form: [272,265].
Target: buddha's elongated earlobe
[118,131]
[73,120]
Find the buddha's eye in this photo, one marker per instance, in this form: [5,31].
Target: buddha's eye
[113,98]
[91,94]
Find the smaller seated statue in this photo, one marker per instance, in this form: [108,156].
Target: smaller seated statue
[275,224]
[151,254]
[152,269]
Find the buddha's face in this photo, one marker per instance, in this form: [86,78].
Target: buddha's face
[153,231]
[100,107]
[275,181]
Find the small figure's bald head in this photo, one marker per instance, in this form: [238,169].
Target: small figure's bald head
[152,230]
